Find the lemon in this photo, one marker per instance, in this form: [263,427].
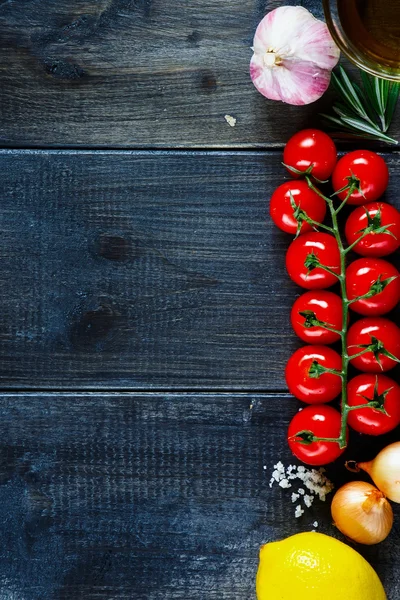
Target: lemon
[314,566]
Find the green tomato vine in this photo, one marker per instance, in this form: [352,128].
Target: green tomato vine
[376,346]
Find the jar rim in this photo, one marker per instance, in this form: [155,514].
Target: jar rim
[352,53]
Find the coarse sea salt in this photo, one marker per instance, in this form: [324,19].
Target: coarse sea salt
[308,500]
[284,483]
[314,481]
[298,511]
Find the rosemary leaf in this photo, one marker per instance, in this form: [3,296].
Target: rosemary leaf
[364,127]
[364,110]
[341,110]
[351,91]
[338,125]
[342,92]
[370,95]
[393,97]
[381,95]
[333,120]
[368,107]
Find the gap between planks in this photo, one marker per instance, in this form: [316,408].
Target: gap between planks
[256,149]
[143,391]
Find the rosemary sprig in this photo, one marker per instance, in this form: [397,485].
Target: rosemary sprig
[363,110]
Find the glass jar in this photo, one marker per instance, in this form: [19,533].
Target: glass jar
[357,43]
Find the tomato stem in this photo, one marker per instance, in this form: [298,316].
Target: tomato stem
[372,404]
[376,347]
[345,301]
[369,349]
[316,224]
[328,270]
[376,288]
[345,408]
[351,189]
[332,329]
[364,233]
[316,370]
[312,321]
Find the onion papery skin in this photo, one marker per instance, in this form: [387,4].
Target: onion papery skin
[384,471]
[362,513]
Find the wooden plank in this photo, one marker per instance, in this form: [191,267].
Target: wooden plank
[144,270]
[141,270]
[148,496]
[144,73]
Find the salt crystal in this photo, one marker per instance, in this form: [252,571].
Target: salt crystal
[298,512]
[285,484]
[308,500]
[277,476]
[313,480]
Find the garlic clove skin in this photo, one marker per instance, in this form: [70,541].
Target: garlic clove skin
[294,55]
[362,513]
[384,471]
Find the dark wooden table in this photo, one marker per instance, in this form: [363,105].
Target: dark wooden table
[144,304]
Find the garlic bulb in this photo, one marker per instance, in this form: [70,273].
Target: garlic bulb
[362,513]
[294,55]
[384,471]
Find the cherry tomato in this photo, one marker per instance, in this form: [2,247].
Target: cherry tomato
[368,168]
[365,274]
[304,380]
[317,305]
[322,421]
[376,214]
[311,147]
[381,389]
[309,247]
[374,330]
[281,209]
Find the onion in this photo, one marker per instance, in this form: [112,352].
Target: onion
[384,471]
[362,513]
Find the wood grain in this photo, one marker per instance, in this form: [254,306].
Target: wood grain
[144,270]
[138,73]
[141,270]
[148,496]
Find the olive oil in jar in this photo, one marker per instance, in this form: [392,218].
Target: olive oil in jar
[373,27]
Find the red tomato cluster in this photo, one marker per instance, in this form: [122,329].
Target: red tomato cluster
[313,261]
